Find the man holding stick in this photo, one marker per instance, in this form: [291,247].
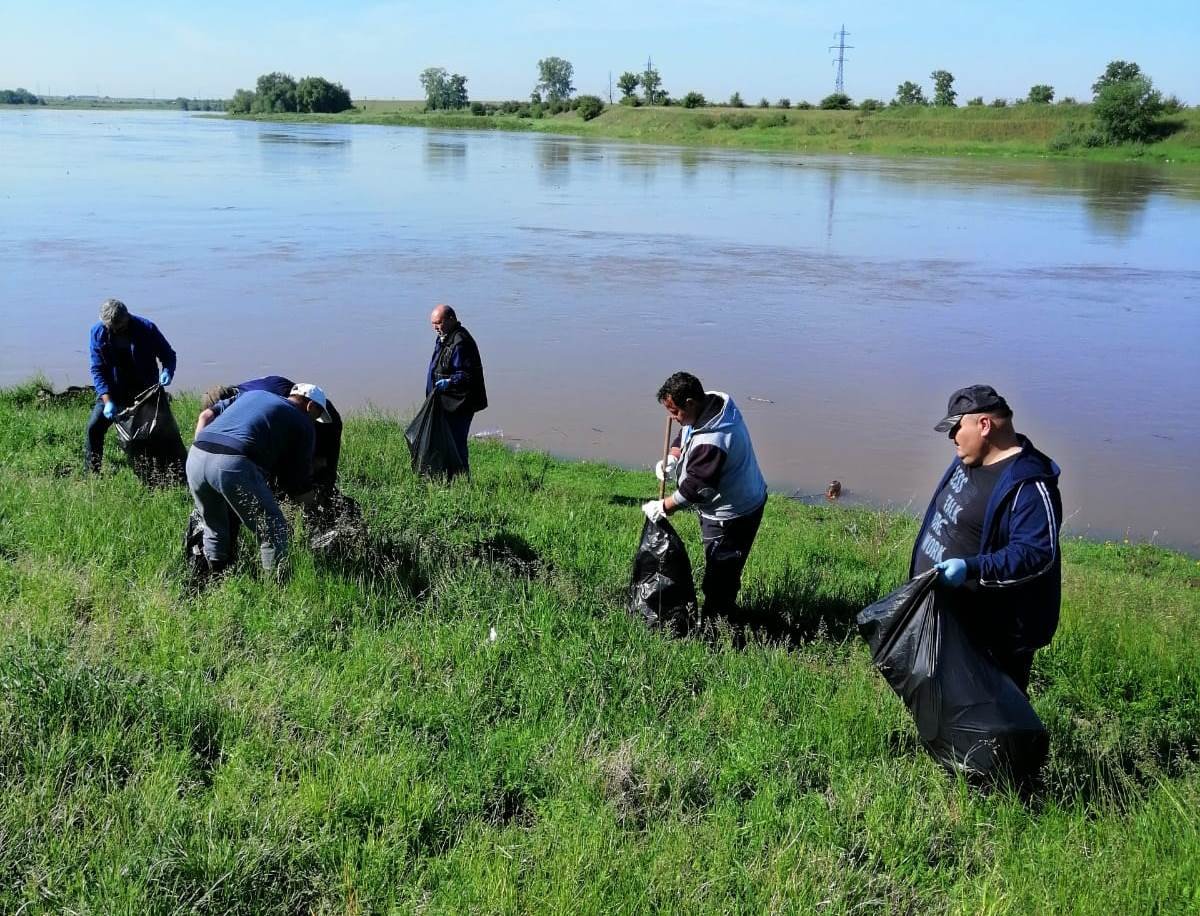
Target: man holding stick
[718,474]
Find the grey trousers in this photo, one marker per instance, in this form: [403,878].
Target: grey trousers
[227,485]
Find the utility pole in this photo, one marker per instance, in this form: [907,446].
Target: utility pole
[609,87]
[841,47]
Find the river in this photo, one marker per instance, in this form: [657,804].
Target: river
[839,299]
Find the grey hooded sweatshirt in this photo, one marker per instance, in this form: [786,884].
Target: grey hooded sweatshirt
[717,472]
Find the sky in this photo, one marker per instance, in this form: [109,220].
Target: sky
[760,48]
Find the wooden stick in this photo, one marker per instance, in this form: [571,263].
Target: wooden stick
[662,484]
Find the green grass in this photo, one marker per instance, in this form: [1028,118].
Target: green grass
[353,741]
[1023,131]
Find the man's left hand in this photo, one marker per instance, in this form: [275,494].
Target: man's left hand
[441,384]
[655,511]
[952,572]
[164,377]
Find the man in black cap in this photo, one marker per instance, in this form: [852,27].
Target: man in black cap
[991,531]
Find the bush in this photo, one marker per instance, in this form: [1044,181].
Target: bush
[1172,105]
[694,100]
[1075,134]
[478,109]
[735,101]
[999,103]
[870,105]
[975,102]
[803,105]
[785,102]
[836,101]
[778,119]
[241,103]
[632,101]
[1125,110]
[1068,100]
[706,122]
[763,103]
[589,106]
[738,121]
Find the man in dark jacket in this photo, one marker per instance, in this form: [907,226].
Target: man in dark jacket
[456,374]
[718,474]
[991,531]
[128,355]
[328,448]
[249,439]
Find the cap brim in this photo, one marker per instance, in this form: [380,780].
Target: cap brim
[325,416]
[948,424]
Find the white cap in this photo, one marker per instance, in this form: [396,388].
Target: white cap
[316,395]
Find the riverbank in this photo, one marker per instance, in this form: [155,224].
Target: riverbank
[457,715]
[1024,131]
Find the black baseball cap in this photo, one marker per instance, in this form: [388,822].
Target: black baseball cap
[972,399]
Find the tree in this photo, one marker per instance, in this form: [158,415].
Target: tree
[1125,110]
[784,102]
[909,93]
[763,103]
[554,78]
[589,106]
[975,102]
[836,101]
[694,100]
[456,91]
[735,101]
[652,90]
[241,103]
[1117,71]
[943,94]
[276,92]
[870,105]
[317,94]
[442,89]
[1041,94]
[628,82]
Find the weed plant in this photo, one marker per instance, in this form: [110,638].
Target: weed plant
[455,714]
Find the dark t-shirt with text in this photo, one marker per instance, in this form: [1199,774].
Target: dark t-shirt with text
[955,529]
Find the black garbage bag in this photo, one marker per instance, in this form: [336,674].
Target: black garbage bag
[431,443]
[333,517]
[150,437]
[193,541]
[661,592]
[970,715]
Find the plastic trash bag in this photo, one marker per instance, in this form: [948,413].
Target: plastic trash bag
[150,437]
[431,443]
[969,714]
[661,592]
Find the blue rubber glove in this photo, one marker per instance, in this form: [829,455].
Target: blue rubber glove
[110,408]
[441,384]
[952,572]
[164,377]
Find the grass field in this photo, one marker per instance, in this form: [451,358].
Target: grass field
[1017,131]
[356,742]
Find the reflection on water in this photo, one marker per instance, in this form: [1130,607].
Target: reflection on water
[840,299]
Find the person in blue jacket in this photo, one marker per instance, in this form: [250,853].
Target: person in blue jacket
[128,354]
[991,531]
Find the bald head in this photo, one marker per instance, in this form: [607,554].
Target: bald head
[443,320]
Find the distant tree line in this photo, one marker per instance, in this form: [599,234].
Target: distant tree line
[279,92]
[19,97]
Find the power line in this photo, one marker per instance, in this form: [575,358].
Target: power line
[841,47]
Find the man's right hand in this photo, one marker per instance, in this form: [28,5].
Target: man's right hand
[110,408]
[663,471]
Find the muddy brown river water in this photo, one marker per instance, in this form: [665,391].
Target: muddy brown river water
[838,298]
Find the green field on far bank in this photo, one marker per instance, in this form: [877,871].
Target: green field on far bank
[455,714]
[1016,131]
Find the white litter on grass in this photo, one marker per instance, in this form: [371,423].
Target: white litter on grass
[492,635]
[496,433]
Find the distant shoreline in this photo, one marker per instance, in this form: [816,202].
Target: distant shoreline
[1019,131]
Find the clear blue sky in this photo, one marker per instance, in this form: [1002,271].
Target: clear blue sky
[766,48]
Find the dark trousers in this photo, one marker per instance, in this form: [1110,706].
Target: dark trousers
[93,447]
[460,429]
[726,548]
[1017,664]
